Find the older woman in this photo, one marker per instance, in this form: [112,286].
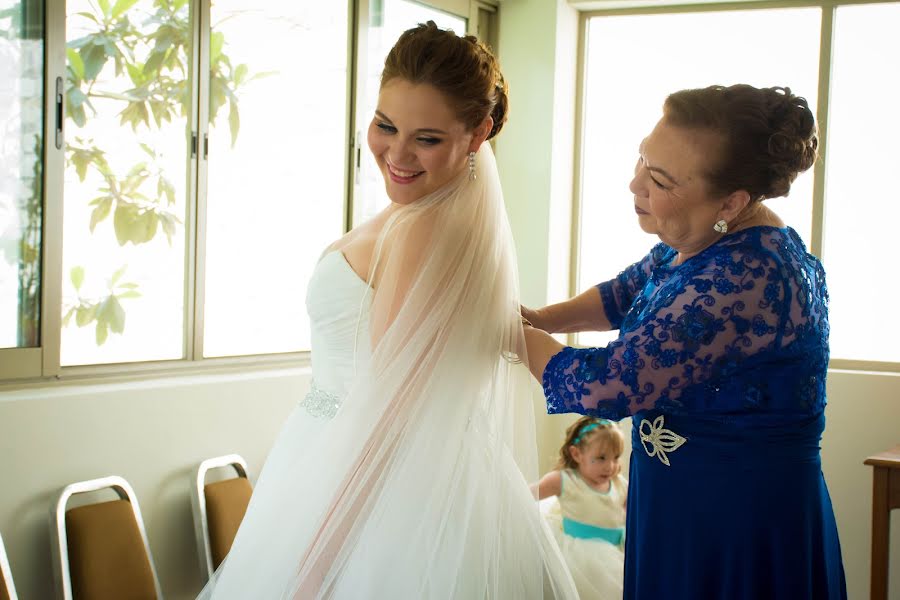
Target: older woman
[721,359]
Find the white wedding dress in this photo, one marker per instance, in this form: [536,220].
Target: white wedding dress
[444,511]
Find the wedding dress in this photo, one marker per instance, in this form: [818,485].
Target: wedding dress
[403,473]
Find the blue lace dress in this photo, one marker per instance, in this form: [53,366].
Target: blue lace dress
[721,362]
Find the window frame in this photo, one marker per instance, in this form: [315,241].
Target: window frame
[588,9]
[41,365]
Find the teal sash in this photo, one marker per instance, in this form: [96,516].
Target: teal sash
[584,531]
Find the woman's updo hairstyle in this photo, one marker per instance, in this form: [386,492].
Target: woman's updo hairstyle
[462,68]
[769,135]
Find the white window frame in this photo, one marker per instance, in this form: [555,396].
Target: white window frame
[600,8]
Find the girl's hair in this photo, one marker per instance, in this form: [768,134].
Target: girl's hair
[768,135]
[461,68]
[583,432]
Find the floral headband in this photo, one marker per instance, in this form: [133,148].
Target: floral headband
[588,428]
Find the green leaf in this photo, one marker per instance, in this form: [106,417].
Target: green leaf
[75,97]
[216,43]
[75,62]
[234,122]
[117,275]
[116,315]
[94,58]
[133,225]
[168,226]
[85,314]
[81,159]
[79,117]
[102,332]
[128,294]
[151,67]
[135,73]
[68,317]
[165,188]
[104,7]
[240,73]
[128,286]
[263,75]
[101,212]
[82,41]
[134,114]
[121,6]
[77,277]
[110,48]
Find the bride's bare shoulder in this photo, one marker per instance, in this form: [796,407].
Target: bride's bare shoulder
[354,235]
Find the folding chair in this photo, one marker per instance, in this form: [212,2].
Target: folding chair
[218,509]
[7,589]
[100,549]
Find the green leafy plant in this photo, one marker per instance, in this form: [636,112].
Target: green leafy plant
[153,56]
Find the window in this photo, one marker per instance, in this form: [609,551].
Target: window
[202,171]
[846,221]
[21,186]
[862,201]
[128,109]
[187,241]
[277,168]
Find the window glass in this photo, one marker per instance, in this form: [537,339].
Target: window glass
[21,166]
[127,99]
[862,202]
[624,97]
[276,168]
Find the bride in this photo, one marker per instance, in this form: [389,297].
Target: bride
[403,472]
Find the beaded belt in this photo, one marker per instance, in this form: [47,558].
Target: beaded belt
[320,403]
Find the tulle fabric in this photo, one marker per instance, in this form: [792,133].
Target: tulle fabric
[417,487]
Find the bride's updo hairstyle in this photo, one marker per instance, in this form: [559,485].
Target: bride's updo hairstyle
[462,68]
[768,135]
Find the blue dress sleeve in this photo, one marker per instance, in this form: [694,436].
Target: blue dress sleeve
[618,294]
[701,323]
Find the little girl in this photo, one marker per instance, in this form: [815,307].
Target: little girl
[589,519]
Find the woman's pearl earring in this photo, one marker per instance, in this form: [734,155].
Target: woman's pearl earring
[721,226]
[471,166]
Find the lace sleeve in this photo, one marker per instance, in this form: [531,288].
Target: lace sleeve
[700,324]
[617,294]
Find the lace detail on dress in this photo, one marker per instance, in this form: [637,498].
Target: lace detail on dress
[741,326]
[320,403]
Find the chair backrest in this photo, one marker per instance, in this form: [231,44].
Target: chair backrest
[7,589]
[100,549]
[218,510]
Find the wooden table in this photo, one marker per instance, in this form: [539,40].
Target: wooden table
[885,497]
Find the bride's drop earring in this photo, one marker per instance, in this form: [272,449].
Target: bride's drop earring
[471,166]
[721,226]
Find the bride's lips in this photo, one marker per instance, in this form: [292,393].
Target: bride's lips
[640,211]
[400,175]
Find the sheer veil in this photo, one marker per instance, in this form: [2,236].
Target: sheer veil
[418,487]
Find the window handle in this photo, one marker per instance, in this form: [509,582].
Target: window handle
[59,113]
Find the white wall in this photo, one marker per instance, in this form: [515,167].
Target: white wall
[152,432]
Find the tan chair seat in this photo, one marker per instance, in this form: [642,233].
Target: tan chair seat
[106,553]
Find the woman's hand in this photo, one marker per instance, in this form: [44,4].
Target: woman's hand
[531,317]
[584,312]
